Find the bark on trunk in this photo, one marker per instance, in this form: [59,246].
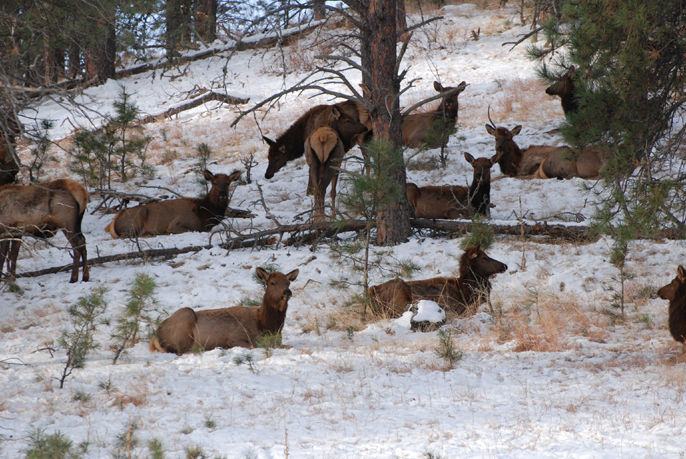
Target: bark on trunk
[206,20]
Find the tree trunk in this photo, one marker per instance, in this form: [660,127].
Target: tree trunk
[178,26]
[319,10]
[100,55]
[378,49]
[206,20]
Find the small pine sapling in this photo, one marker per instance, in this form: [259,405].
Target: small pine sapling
[79,341]
[140,309]
[446,349]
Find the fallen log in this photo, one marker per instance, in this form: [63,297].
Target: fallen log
[207,97]
[572,233]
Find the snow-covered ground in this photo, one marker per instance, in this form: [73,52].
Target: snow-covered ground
[559,375]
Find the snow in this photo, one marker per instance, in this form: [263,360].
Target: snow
[559,376]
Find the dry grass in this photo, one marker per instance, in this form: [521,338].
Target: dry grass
[514,101]
[546,323]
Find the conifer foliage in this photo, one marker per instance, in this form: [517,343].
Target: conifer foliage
[630,77]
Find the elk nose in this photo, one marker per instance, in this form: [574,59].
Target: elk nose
[288,293]
[504,268]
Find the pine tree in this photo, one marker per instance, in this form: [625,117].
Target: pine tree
[630,60]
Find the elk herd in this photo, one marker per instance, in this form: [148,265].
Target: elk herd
[324,135]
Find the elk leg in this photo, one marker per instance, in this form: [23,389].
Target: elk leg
[4,252]
[334,182]
[13,255]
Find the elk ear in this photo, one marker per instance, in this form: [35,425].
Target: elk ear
[516,130]
[262,275]
[335,112]
[681,274]
[293,275]
[470,159]
[474,251]
[490,129]
[235,176]
[208,175]
[438,87]
[269,141]
[462,86]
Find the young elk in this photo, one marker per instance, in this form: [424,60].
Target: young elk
[451,202]
[565,163]
[513,161]
[675,292]
[324,152]
[460,295]
[187,329]
[176,215]
[425,129]
[41,211]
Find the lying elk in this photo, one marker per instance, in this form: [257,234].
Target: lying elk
[564,163]
[566,89]
[451,202]
[675,292]
[187,329]
[513,161]
[432,129]
[41,211]
[324,151]
[460,295]
[344,118]
[176,215]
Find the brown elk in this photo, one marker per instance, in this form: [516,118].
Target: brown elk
[41,211]
[176,215]
[460,295]
[187,329]
[9,249]
[513,161]
[675,292]
[432,129]
[451,202]
[566,89]
[324,151]
[343,117]
[565,163]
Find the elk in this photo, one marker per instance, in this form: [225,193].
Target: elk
[513,161]
[344,118]
[565,163]
[187,329]
[675,292]
[425,129]
[451,202]
[566,89]
[41,211]
[458,294]
[324,151]
[176,215]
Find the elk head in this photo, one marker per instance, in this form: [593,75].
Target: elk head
[219,193]
[277,292]
[449,105]
[668,292]
[475,260]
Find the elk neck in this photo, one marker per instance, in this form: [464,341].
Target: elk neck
[270,319]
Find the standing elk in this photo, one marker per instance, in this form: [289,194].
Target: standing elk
[176,215]
[566,89]
[41,211]
[428,129]
[451,202]
[344,118]
[675,292]
[513,161]
[460,295]
[324,151]
[187,329]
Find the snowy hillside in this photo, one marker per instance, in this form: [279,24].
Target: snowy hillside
[560,374]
